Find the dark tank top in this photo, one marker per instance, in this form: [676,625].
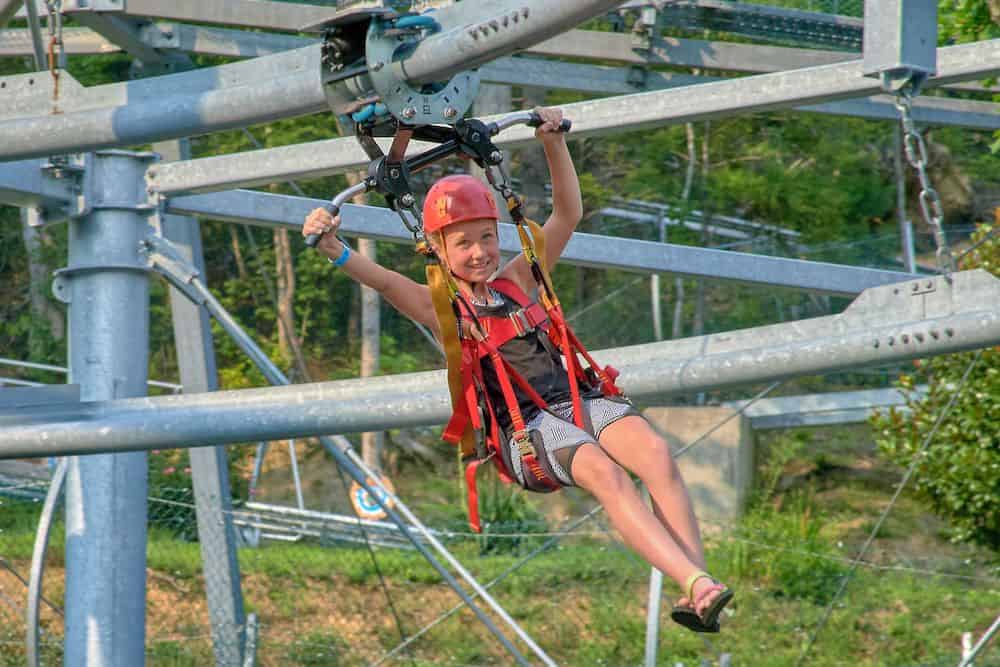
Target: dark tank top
[535,358]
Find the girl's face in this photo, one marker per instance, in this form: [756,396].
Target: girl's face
[473,249]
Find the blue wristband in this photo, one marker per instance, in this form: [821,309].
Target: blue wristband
[343,256]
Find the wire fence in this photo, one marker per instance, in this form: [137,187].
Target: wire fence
[840,7]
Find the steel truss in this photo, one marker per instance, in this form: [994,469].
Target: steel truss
[884,325]
[107,202]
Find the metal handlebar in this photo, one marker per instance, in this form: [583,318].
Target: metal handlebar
[334,206]
[529,118]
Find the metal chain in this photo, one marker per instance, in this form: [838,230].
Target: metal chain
[930,200]
[56,50]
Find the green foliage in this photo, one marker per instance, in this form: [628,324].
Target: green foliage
[506,515]
[810,570]
[958,474]
[966,21]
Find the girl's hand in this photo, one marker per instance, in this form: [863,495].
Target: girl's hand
[319,221]
[549,129]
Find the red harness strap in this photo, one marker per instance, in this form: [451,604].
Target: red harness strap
[500,330]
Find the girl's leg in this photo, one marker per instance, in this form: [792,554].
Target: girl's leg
[594,471]
[633,443]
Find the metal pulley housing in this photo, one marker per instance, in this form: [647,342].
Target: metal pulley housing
[389,42]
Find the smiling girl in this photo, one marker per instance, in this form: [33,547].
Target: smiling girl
[460,220]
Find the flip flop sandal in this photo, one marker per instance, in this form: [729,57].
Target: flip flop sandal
[685,615]
[710,617]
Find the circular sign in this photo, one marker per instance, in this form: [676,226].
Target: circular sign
[367,507]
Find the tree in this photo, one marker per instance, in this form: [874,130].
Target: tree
[959,472]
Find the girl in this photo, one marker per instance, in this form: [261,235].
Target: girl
[460,221]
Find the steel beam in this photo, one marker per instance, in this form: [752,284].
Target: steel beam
[337,156]
[884,325]
[165,35]
[701,54]
[844,407]
[295,89]
[76,42]
[7,10]
[940,111]
[717,99]
[165,107]
[575,76]
[124,33]
[247,206]
[40,184]
[288,16]
[475,33]
[205,40]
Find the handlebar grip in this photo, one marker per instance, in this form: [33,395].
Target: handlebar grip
[312,240]
[536,121]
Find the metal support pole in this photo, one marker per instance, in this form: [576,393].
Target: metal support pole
[653,610]
[258,466]
[108,357]
[32,614]
[299,500]
[654,288]
[981,644]
[37,45]
[653,616]
[209,465]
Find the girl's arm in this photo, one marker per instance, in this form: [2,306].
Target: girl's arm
[567,203]
[407,296]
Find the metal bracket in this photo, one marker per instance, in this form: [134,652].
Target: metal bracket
[900,43]
[644,32]
[423,105]
[71,176]
[161,35]
[919,287]
[166,259]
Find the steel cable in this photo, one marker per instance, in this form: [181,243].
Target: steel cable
[917,457]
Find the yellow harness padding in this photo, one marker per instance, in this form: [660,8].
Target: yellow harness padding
[443,294]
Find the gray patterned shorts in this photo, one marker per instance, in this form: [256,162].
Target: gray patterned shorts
[559,433]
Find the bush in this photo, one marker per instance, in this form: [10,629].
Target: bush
[959,472]
[506,516]
[809,568]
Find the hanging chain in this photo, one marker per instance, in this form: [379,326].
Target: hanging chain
[56,50]
[930,200]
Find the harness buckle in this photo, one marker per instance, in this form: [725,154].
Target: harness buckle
[522,324]
[522,439]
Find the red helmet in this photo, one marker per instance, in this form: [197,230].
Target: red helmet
[458,198]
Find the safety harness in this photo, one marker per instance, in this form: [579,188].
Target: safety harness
[468,338]
[474,413]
